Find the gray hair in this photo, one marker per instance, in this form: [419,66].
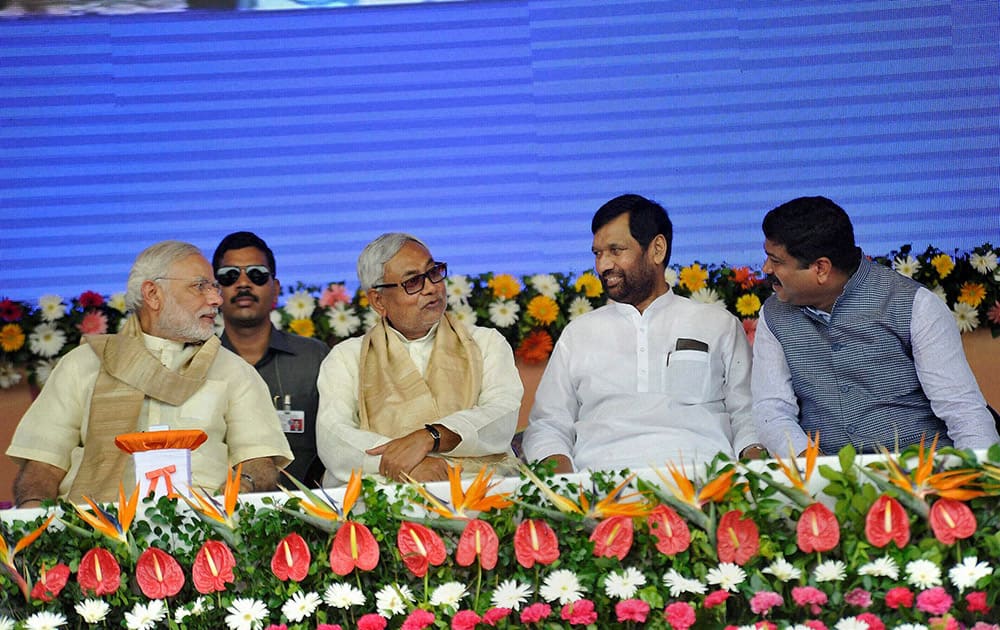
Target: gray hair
[152,263]
[371,262]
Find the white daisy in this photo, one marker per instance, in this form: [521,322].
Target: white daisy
[881,567]
[911,626]
[968,572]
[511,594]
[343,595]
[300,606]
[117,301]
[246,614]
[9,375]
[503,313]
[46,340]
[851,623]
[449,594]
[145,617]
[546,284]
[92,610]
[708,296]
[464,314]
[370,318]
[52,307]
[180,615]
[300,305]
[343,321]
[276,319]
[561,585]
[44,621]
[906,266]
[830,571]
[671,276]
[201,605]
[678,584]
[783,570]
[579,306]
[966,316]
[391,600]
[6,623]
[727,575]
[923,574]
[458,289]
[984,263]
[938,290]
[624,585]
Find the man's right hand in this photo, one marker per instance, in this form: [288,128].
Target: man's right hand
[563,463]
[403,454]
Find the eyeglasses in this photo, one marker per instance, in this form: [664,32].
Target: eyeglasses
[201,285]
[415,284]
[258,274]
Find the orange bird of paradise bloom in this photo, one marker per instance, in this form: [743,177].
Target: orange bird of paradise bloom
[799,490]
[475,498]
[104,522]
[209,509]
[923,482]
[7,555]
[617,503]
[328,510]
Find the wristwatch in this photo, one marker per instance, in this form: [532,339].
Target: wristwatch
[436,435]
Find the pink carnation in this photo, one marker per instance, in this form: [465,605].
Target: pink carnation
[859,597]
[632,610]
[328,626]
[372,621]
[493,616]
[982,625]
[809,596]
[465,620]
[899,597]
[715,598]
[680,615]
[579,613]
[944,623]
[815,625]
[333,295]
[934,601]
[976,602]
[275,626]
[93,323]
[536,613]
[874,623]
[762,603]
[418,620]
[765,625]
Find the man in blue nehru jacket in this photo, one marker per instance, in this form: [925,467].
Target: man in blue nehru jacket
[851,349]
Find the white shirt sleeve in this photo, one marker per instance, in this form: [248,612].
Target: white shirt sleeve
[551,422]
[739,402]
[775,406]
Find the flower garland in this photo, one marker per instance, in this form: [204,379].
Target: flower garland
[531,312]
[904,542]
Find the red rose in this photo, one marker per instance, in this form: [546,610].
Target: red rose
[612,537]
[671,532]
[817,529]
[887,521]
[50,583]
[737,538]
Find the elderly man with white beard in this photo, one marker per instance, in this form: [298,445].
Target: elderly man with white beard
[165,367]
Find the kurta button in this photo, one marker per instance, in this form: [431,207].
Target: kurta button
[845,388]
[836,346]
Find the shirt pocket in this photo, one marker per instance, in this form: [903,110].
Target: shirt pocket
[687,376]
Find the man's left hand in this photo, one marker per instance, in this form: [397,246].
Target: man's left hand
[754,451]
[401,455]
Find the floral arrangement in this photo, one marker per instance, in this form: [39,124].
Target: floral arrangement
[530,311]
[905,542]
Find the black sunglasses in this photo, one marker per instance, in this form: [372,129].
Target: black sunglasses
[258,274]
[415,284]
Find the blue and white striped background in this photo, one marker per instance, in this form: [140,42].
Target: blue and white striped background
[491,129]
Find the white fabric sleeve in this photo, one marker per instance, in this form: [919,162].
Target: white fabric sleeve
[775,406]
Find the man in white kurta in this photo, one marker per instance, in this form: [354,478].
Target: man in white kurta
[650,377]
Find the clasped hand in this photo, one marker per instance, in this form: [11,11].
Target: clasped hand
[409,454]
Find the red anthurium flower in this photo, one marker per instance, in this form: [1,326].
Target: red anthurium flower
[534,541]
[478,540]
[213,567]
[50,583]
[420,547]
[612,537]
[99,572]
[353,547]
[738,538]
[671,532]
[291,559]
[952,520]
[886,520]
[158,574]
[818,529]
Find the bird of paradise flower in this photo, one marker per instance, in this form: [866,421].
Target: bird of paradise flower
[220,517]
[684,497]
[7,555]
[617,503]
[798,491]
[104,522]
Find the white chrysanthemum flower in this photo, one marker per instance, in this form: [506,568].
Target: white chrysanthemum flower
[906,266]
[300,305]
[46,340]
[624,585]
[449,594]
[727,576]
[562,586]
[881,567]
[343,595]
[370,319]
[851,623]
[784,570]
[201,605]
[984,263]
[503,313]
[966,316]
[546,284]
[245,614]
[458,289]
[579,306]
[52,307]
[6,623]
[92,610]
[300,606]
[923,574]
[180,615]
[275,317]
[391,600]
[511,594]
[830,571]
[343,321]
[671,276]
[679,584]
[44,621]
[911,626]
[965,574]
[708,296]
[9,375]
[464,314]
[117,301]
[938,290]
[145,617]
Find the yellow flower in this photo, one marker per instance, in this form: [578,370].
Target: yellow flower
[303,327]
[589,284]
[747,305]
[362,299]
[504,286]
[972,293]
[543,310]
[694,277]
[11,337]
[943,263]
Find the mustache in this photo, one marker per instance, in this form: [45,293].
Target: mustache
[214,312]
[244,293]
[770,280]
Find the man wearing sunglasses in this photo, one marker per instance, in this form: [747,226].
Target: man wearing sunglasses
[245,268]
[419,389]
